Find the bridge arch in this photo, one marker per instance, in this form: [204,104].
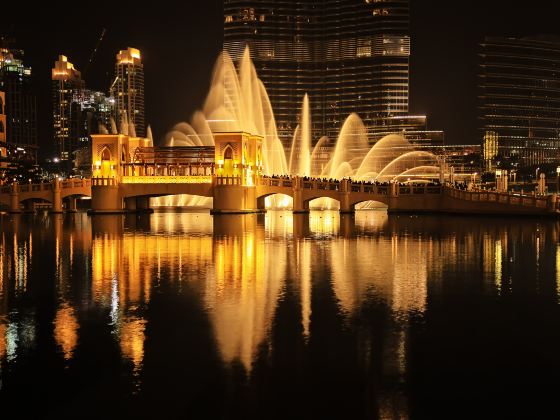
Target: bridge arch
[5,200]
[276,200]
[363,204]
[321,203]
[66,194]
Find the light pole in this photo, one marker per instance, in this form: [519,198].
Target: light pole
[558,179]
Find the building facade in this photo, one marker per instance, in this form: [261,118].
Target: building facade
[78,112]
[20,103]
[519,101]
[3,143]
[128,90]
[349,56]
[67,86]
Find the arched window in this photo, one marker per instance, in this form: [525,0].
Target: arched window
[105,154]
[228,153]
[1,127]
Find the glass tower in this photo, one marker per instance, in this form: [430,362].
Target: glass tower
[519,101]
[20,102]
[348,55]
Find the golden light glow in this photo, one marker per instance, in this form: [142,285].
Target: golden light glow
[66,330]
[3,340]
[558,272]
[124,266]
[132,339]
[243,293]
[195,179]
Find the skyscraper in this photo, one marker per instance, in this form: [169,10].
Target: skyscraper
[3,144]
[77,113]
[20,102]
[67,85]
[519,85]
[348,55]
[128,89]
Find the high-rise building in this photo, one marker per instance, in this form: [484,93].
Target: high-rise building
[3,143]
[519,84]
[348,55]
[128,90]
[78,112]
[20,102]
[67,85]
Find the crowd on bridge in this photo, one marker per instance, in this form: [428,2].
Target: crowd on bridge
[432,183]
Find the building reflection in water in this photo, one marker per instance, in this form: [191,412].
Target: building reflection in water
[17,327]
[126,262]
[242,294]
[243,267]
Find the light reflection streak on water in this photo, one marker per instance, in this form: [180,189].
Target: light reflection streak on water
[66,330]
[498,265]
[558,272]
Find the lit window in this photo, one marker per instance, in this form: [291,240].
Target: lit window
[248,14]
[380,12]
[229,18]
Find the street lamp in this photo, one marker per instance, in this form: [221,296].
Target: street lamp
[558,179]
[537,174]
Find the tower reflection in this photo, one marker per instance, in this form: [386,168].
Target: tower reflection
[242,294]
[126,262]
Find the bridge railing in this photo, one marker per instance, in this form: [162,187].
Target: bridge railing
[323,184]
[166,179]
[76,183]
[504,198]
[24,188]
[103,182]
[275,182]
[228,180]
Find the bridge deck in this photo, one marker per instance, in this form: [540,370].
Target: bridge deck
[407,197]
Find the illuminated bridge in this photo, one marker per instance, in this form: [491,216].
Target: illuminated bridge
[128,171]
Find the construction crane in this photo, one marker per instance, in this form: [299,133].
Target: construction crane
[92,56]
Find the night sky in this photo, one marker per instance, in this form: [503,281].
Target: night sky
[181,40]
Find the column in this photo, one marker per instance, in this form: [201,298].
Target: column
[14,199]
[143,205]
[345,202]
[56,197]
[130,204]
[299,205]
[72,207]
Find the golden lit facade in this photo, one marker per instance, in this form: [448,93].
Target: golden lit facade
[490,149]
[239,155]
[112,152]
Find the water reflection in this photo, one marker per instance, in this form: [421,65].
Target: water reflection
[278,294]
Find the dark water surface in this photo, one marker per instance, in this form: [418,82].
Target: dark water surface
[182,315]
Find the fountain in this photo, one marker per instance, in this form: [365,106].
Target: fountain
[238,101]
